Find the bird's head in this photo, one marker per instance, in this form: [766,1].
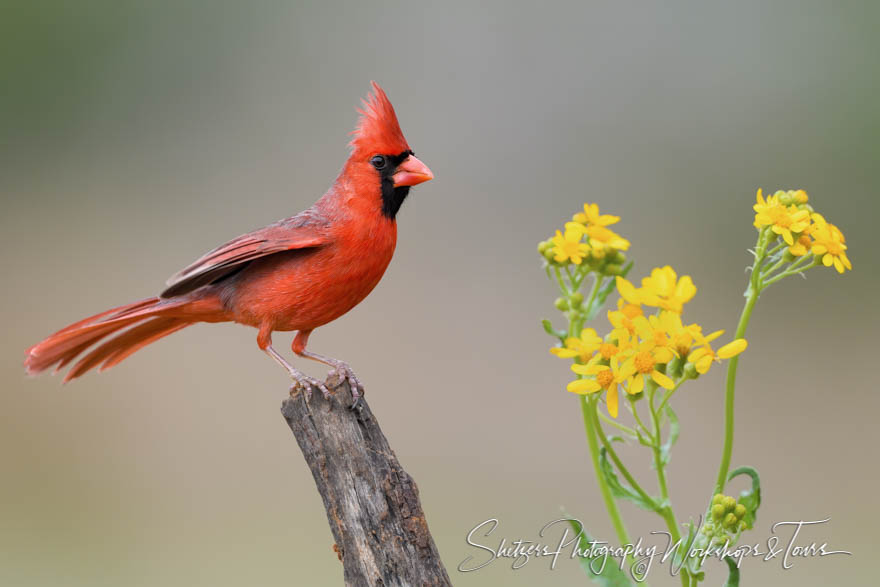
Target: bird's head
[381,156]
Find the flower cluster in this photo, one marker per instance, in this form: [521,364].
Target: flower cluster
[648,350]
[725,520]
[644,349]
[789,217]
[587,240]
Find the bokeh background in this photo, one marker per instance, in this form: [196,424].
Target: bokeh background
[135,136]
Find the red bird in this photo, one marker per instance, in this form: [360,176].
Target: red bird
[296,274]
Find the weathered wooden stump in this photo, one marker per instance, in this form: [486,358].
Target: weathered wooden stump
[372,504]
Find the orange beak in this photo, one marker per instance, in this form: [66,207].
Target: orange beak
[411,172]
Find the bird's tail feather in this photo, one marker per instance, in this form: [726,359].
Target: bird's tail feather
[140,323]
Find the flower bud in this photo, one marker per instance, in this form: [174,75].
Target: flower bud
[572,315]
[739,511]
[674,367]
[543,246]
[690,370]
[729,503]
[717,511]
[561,304]
[577,298]
[730,521]
[549,254]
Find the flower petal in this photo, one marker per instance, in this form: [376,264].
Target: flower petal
[662,380]
[627,290]
[637,385]
[732,349]
[583,386]
[612,401]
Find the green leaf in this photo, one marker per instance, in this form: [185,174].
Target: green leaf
[611,575]
[673,435]
[645,440]
[623,490]
[693,564]
[733,575]
[750,498]
[548,328]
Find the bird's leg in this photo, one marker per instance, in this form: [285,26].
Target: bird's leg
[301,380]
[340,368]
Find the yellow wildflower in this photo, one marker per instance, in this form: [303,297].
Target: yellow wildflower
[582,347]
[622,318]
[569,246]
[644,361]
[704,356]
[801,246]
[602,239]
[629,306]
[618,343]
[683,338]
[650,330]
[599,377]
[782,220]
[628,291]
[829,244]
[591,217]
[663,289]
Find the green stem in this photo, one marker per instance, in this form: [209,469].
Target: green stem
[587,409]
[623,428]
[756,284]
[571,280]
[772,268]
[594,291]
[638,419]
[669,394]
[619,464]
[665,510]
[751,297]
[672,526]
[658,462]
[561,281]
[795,268]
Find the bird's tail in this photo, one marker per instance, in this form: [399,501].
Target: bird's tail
[135,326]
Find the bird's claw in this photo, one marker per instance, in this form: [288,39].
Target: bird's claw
[340,374]
[304,383]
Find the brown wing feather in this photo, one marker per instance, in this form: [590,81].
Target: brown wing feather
[305,230]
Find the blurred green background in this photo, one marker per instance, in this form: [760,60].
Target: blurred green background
[136,136]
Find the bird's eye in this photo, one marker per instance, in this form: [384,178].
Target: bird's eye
[379,162]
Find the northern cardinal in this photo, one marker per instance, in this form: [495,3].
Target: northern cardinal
[296,274]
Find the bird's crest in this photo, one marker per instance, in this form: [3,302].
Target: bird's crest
[377,131]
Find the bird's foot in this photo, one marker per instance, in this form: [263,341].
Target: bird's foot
[341,373]
[304,383]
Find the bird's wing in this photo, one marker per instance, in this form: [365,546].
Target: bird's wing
[305,230]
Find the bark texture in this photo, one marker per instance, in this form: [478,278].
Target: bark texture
[372,504]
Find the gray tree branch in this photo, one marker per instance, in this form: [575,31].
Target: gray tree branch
[372,504]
